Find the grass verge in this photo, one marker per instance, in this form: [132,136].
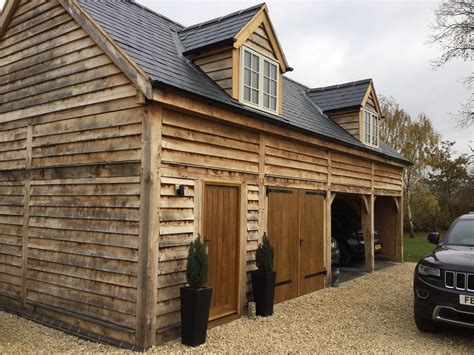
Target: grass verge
[415,248]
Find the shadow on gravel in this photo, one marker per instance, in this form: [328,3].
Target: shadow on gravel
[356,269]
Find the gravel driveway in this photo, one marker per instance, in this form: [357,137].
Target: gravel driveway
[370,314]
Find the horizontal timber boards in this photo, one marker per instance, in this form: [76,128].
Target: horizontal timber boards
[82,199]
[177,230]
[253,234]
[218,66]
[207,144]
[202,110]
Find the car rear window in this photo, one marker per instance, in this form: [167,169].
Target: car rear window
[461,233]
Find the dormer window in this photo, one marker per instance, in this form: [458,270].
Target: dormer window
[259,85]
[371,127]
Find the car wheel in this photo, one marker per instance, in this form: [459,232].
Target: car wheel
[345,256]
[424,322]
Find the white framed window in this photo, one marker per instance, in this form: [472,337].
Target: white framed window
[370,125]
[259,83]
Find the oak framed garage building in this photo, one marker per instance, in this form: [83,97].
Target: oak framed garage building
[123,134]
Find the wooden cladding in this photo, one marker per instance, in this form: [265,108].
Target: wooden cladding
[179,221]
[259,41]
[218,66]
[349,120]
[70,158]
[203,144]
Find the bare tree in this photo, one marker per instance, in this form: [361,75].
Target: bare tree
[453,31]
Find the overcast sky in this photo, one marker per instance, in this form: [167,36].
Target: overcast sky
[330,42]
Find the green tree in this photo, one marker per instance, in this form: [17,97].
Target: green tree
[414,139]
[447,179]
[426,208]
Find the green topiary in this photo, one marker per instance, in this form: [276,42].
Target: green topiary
[196,273]
[264,255]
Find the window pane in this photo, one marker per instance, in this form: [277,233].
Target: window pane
[246,93]
[247,59]
[376,131]
[255,80]
[266,84]
[255,96]
[274,72]
[255,63]
[273,87]
[247,76]
[266,66]
[273,103]
[266,101]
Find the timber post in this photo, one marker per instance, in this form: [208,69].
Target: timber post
[368,230]
[147,283]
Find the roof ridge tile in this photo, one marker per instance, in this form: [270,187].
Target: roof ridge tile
[342,85]
[218,19]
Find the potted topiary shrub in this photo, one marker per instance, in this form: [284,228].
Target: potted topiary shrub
[263,279]
[195,298]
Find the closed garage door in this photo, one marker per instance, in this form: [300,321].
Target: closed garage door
[296,229]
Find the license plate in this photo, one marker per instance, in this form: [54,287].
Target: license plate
[378,247]
[466,300]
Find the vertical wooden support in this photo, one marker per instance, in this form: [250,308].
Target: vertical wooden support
[242,282]
[262,225]
[236,73]
[147,281]
[328,234]
[367,219]
[197,207]
[7,12]
[399,230]
[26,214]
[328,224]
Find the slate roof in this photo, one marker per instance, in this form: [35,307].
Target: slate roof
[153,42]
[336,97]
[216,31]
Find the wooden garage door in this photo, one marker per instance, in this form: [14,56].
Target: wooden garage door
[295,227]
[312,242]
[283,225]
[221,235]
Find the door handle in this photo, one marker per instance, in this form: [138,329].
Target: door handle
[301,242]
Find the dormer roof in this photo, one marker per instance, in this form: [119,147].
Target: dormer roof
[219,31]
[341,96]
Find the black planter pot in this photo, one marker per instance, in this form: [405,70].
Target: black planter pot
[263,289]
[195,306]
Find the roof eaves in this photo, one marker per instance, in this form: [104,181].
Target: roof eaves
[223,42]
[349,107]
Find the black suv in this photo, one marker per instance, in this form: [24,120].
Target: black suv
[444,279]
